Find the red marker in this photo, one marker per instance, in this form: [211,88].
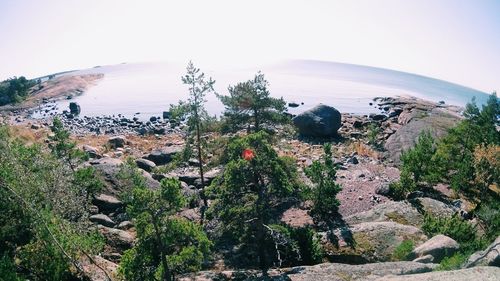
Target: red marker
[248,154]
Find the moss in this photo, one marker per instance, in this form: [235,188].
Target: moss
[396,217]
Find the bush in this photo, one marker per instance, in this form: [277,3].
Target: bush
[456,228]
[403,250]
[323,174]
[166,245]
[454,262]
[309,245]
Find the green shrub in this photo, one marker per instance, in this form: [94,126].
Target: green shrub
[454,262]
[323,174]
[14,90]
[309,245]
[403,250]
[456,228]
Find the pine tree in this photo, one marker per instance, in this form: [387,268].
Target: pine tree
[249,105]
[166,244]
[198,88]
[323,174]
[255,184]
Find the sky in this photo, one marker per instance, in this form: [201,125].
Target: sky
[453,40]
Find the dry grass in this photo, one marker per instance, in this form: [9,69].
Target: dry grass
[28,135]
[139,145]
[363,149]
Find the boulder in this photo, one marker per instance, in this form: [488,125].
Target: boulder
[102,220]
[150,181]
[164,155]
[320,121]
[490,256]
[107,203]
[117,141]
[439,247]
[166,114]
[117,238]
[74,108]
[436,208]
[91,151]
[145,164]
[483,273]
[369,241]
[413,122]
[124,225]
[93,269]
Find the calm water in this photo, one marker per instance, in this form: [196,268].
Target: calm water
[149,88]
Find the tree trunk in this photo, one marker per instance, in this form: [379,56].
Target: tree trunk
[261,231]
[200,162]
[166,276]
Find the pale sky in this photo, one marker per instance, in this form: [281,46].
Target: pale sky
[453,40]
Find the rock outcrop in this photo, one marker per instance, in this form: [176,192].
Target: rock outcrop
[400,212]
[320,121]
[483,273]
[490,256]
[369,241]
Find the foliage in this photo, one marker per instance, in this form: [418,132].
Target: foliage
[65,150]
[323,174]
[466,158]
[252,192]
[373,133]
[489,213]
[14,90]
[309,245]
[455,152]
[249,105]
[454,262]
[166,245]
[456,228]
[44,220]
[417,165]
[403,250]
[487,167]
[179,111]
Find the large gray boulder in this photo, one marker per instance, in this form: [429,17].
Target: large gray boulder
[102,220]
[439,247]
[164,155]
[117,238]
[145,164]
[117,141]
[320,121]
[74,108]
[483,273]
[490,256]
[107,203]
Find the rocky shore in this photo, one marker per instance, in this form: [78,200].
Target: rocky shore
[366,151]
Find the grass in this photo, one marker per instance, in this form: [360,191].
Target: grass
[363,150]
[403,250]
